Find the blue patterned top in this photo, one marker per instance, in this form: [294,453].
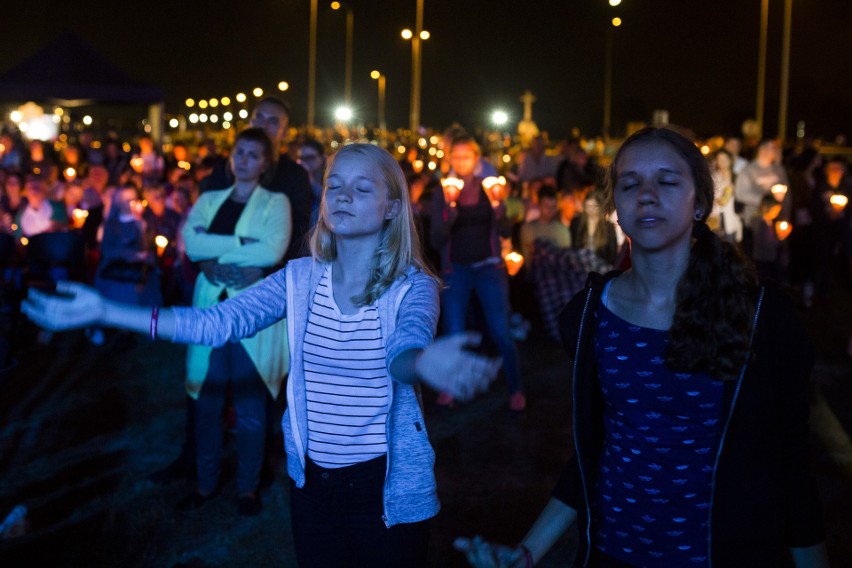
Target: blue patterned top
[662,430]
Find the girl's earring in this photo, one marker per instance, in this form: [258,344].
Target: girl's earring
[698,215]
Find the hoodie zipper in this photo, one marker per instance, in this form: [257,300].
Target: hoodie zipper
[725,432]
[576,440]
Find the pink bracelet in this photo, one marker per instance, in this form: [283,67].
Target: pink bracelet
[155,317]
[528,557]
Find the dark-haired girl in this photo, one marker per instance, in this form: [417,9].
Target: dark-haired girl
[690,394]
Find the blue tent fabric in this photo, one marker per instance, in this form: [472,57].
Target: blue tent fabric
[69,69]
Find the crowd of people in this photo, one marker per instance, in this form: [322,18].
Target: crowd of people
[313,278]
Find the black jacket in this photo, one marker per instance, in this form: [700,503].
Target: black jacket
[763,497]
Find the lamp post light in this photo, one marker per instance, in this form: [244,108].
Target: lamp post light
[312,67]
[784,90]
[607,117]
[375,74]
[418,35]
[350,34]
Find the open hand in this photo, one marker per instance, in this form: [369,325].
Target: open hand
[445,365]
[76,305]
[483,554]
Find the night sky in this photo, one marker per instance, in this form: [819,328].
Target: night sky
[697,59]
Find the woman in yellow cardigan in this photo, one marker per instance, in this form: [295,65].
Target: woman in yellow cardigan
[234,234]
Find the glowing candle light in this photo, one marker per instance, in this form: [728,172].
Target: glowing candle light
[79,217]
[452,188]
[514,262]
[783,229]
[495,188]
[70,173]
[838,202]
[779,190]
[161,242]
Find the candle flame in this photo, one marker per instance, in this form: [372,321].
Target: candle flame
[838,201]
[514,262]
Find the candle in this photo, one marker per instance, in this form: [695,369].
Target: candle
[161,242]
[79,217]
[495,188]
[452,188]
[779,190]
[514,262]
[70,174]
[783,229]
[838,201]
[137,164]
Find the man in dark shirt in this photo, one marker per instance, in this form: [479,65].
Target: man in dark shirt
[273,115]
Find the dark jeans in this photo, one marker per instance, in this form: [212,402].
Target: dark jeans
[231,365]
[492,288]
[337,521]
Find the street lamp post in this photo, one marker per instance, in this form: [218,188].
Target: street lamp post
[382,82]
[607,113]
[761,64]
[416,37]
[350,35]
[312,67]
[785,71]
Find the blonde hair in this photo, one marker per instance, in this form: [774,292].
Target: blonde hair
[399,244]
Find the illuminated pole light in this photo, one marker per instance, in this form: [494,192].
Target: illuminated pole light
[226,125]
[214,103]
[614,2]
[616,21]
[243,113]
[343,114]
[283,86]
[190,103]
[241,97]
[499,117]
[174,123]
[203,118]
[87,120]
[193,118]
[407,34]
[227,116]
[225,101]
[375,74]
[425,35]
[258,92]
[16,116]
[335,5]
[58,111]
[214,118]
[202,104]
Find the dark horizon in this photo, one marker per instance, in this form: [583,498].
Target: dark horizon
[698,60]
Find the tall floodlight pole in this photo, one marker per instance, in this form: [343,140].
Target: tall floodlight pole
[785,71]
[415,69]
[761,64]
[312,67]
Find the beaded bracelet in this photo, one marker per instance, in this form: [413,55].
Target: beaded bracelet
[155,317]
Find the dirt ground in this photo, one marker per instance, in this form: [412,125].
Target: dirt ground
[82,427]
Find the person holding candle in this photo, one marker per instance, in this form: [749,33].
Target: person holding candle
[756,180]
[690,384]
[466,228]
[127,271]
[830,215]
[361,314]
[766,239]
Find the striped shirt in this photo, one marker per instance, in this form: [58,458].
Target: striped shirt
[346,382]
